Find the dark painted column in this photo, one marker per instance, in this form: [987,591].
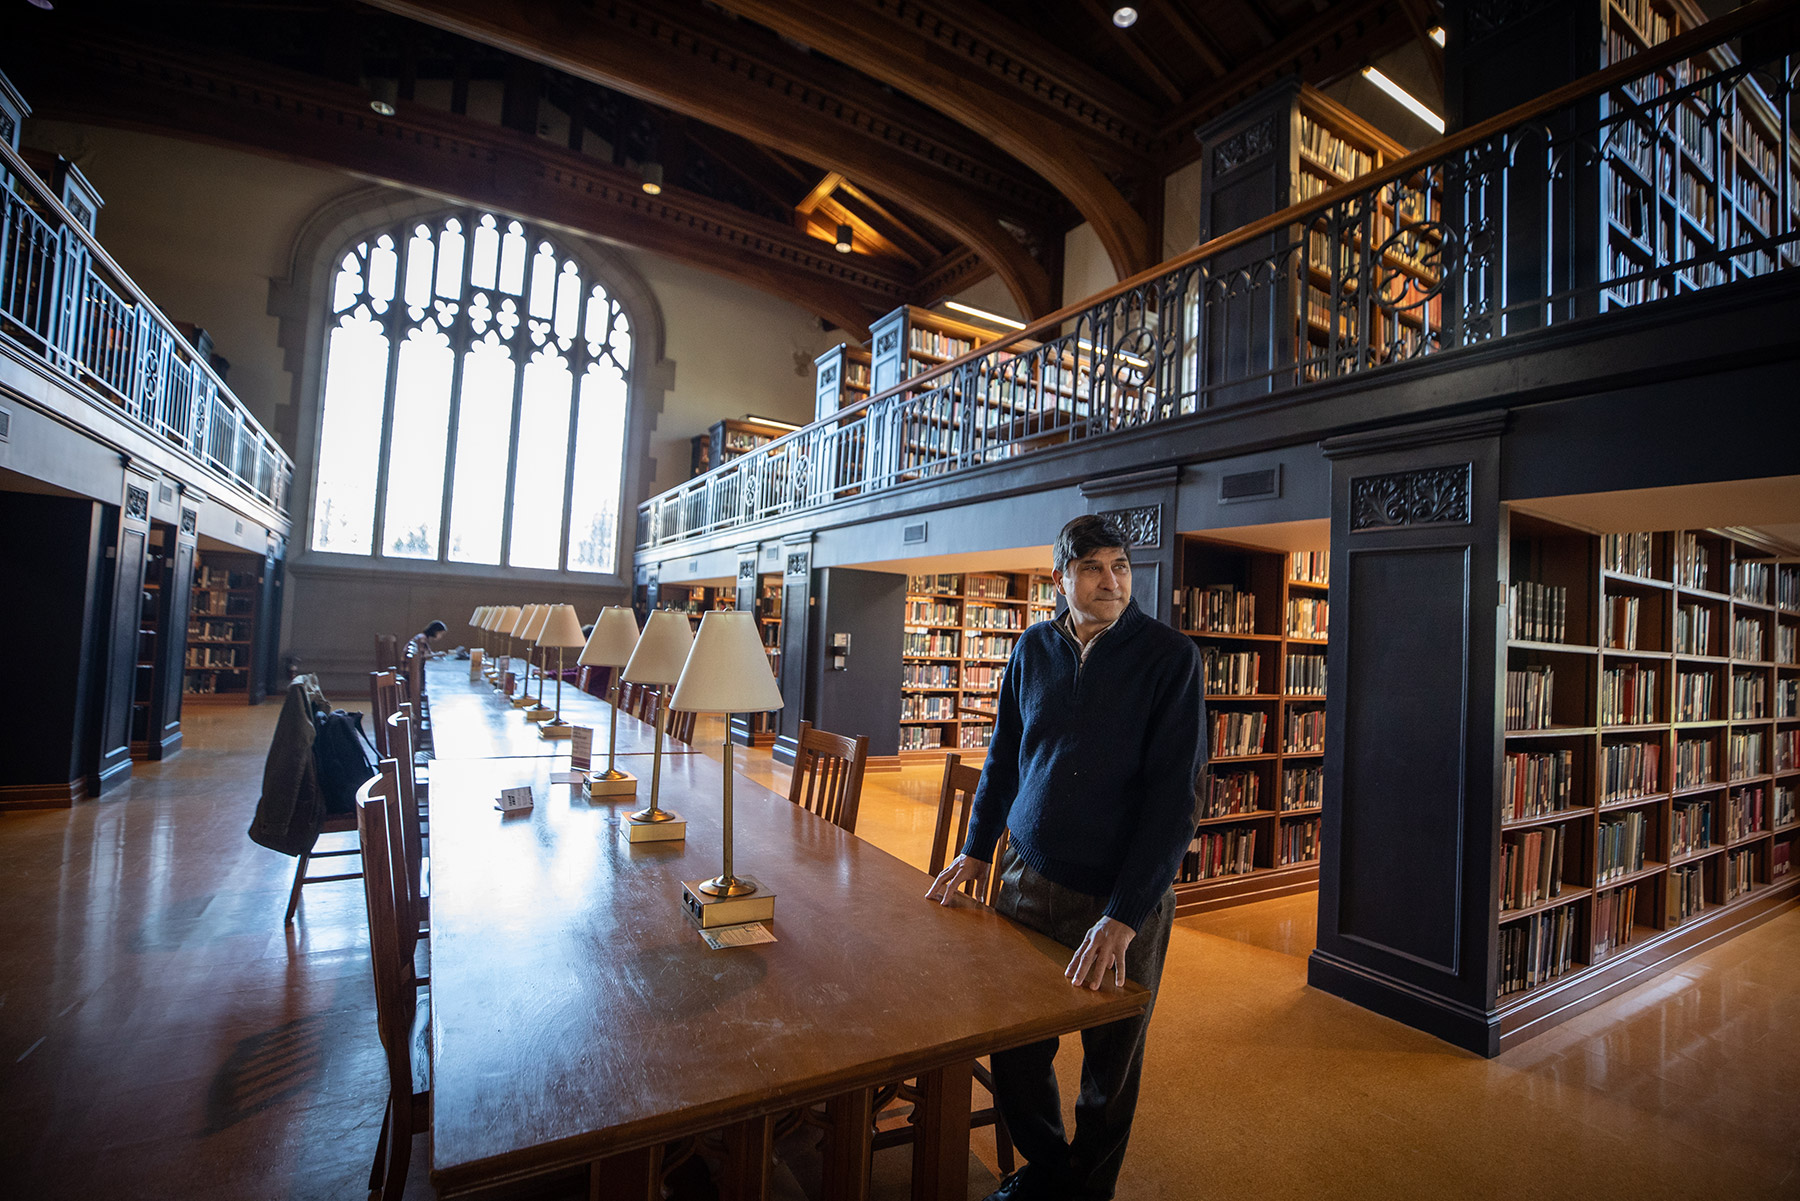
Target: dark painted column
[171,642]
[796,641]
[113,762]
[1406,881]
[853,678]
[1144,503]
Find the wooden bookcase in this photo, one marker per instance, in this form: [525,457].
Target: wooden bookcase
[1680,189]
[910,341]
[841,379]
[765,726]
[1645,757]
[732,437]
[223,628]
[1259,618]
[960,630]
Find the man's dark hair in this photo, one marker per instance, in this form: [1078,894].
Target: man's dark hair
[1087,534]
[435,628]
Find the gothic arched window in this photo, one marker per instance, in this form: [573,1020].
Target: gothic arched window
[476,386]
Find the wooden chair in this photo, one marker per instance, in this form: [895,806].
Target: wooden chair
[334,823]
[681,727]
[646,704]
[956,798]
[828,775]
[384,701]
[408,810]
[628,697]
[399,1019]
[387,652]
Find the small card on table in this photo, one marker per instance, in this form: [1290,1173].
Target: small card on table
[747,935]
[512,800]
[474,665]
[581,748]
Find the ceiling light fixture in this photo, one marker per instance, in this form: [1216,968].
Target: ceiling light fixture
[844,244]
[1436,34]
[382,95]
[983,314]
[1406,98]
[652,178]
[1125,16]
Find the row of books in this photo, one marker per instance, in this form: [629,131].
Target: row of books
[1237,734]
[930,341]
[1787,644]
[990,646]
[1750,581]
[1230,851]
[1744,813]
[1304,788]
[1744,753]
[215,656]
[1536,612]
[1693,630]
[1690,827]
[927,708]
[1628,695]
[982,676]
[1781,857]
[921,738]
[1221,609]
[931,613]
[1687,892]
[1615,919]
[1628,554]
[1785,811]
[219,631]
[223,604]
[1321,312]
[1619,622]
[1694,764]
[1753,201]
[940,644]
[1531,867]
[1304,732]
[1307,617]
[1747,638]
[1310,566]
[992,617]
[1787,750]
[1537,949]
[1740,872]
[1749,696]
[1528,696]
[928,675]
[1647,19]
[1299,842]
[1751,143]
[1694,695]
[1693,561]
[974,736]
[1305,675]
[989,587]
[1534,783]
[1630,769]
[1225,794]
[935,585]
[1236,673]
[1324,147]
[1621,846]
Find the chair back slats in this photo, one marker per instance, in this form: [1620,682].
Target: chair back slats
[681,727]
[387,652]
[384,700]
[828,775]
[956,801]
[405,818]
[646,703]
[396,998]
[628,697]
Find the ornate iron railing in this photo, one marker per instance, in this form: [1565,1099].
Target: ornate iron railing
[1618,190]
[67,303]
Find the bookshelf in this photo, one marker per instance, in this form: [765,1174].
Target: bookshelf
[841,378]
[222,628]
[1260,620]
[1681,188]
[763,727]
[1643,772]
[960,630]
[153,616]
[732,437]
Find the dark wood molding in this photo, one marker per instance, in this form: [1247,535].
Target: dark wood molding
[683,60]
[914,63]
[42,796]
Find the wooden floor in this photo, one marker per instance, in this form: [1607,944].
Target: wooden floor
[162,1036]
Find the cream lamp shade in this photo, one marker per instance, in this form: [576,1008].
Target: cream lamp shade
[615,637]
[488,615]
[728,669]
[475,618]
[535,626]
[507,619]
[661,649]
[523,620]
[561,628]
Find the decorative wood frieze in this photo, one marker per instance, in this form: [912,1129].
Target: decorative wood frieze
[1432,496]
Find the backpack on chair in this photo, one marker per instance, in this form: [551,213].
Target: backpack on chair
[344,757]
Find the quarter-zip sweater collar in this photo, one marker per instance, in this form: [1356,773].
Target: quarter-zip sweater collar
[1092,764]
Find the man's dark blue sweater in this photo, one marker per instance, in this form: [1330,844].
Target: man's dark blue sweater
[1092,765]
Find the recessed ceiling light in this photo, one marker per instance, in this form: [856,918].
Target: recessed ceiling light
[844,245]
[1125,16]
[382,95]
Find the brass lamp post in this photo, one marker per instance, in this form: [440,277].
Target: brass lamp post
[657,660]
[615,637]
[562,629]
[535,709]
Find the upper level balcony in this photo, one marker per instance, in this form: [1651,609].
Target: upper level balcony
[1673,173]
[69,311]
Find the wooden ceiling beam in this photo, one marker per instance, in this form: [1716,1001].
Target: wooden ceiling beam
[913,64]
[253,107]
[882,217]
[670,60]
[1189,29]
[779,185]
[1140,58]
[1421,17]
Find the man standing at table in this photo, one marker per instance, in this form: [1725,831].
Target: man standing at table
[1099,738]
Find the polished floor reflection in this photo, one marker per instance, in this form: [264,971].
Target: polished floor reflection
[162,1035]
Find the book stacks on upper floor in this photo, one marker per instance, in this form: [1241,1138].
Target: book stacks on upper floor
[1259,618]
[1652,746]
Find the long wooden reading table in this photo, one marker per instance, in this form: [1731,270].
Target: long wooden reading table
[580,1022]
[470,720]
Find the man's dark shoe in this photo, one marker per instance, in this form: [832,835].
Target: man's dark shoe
[1026,1185]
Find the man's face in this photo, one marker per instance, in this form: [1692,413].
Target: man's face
[1098,586]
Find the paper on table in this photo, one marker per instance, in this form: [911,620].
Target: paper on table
[746,935]
[514,799]
[581,748]
[567,777]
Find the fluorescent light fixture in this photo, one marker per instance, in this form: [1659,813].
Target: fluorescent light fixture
[1125,17]
[972,311]
[1436,34]
[1406,98]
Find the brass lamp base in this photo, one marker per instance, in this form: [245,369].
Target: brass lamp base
[669,829]
[756,904]
[556,729]
[728,886]
[538,713]
[653,816]
[524,702]
[614,783]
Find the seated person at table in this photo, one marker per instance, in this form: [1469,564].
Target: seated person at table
[420,643]
[1097,744]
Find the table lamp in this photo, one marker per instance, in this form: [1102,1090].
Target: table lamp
[657,660]
[562,629]
[615,637]
[504,621]
[522,631]
[538,710]
[727,672]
